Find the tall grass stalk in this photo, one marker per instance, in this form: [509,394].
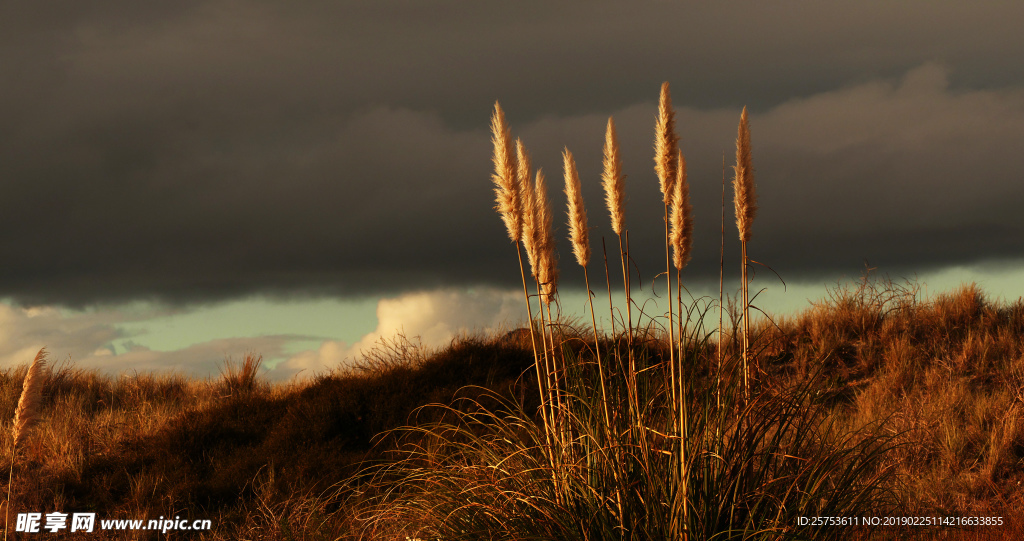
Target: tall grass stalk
[681,239]
[665,165]
[511,178]
[746,208]
[25,418]
[615,199]
[530,241]
[580,238]
[721,284]
[548,277]
[613,182]
[536,227]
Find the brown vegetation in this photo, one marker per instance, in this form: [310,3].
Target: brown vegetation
[945,375]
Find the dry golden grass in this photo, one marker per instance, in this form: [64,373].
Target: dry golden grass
[27,413]
[745,201]
[947,374]
[505,174]
[547,264]
[528,207]
[612,180]
[681,219]
[614,186]
[666,165]
[743,182]
[578,232]
[665,144]
[241,377]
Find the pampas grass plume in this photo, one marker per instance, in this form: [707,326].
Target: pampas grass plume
[665,143]
[743,182]
[611,179]
[548,270]
[27,413]
[577,212]
[528,206]
[682,219]
[505,175]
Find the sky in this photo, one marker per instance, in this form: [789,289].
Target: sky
[183,182]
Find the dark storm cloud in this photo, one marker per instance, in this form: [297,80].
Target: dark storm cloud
[192,151]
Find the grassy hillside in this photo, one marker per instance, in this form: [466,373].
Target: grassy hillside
[942,382]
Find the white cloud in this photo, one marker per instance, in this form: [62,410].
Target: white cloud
[23,331]
[87,339]
[435,317]
[429,318]
[305,364]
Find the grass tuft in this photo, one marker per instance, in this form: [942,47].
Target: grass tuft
[242,377]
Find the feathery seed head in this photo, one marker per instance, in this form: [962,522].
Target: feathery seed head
[27,413]
[682,218]
[665,143]
[743,182]
[548,270]
[549,286]
[578,233]
[505,175]
[529,207]
[524,164]
[614,185]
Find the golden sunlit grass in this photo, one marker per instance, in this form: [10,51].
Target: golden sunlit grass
[947,376]
[746,208]
[671,463]
[241,377]
[25,416]
[694,450]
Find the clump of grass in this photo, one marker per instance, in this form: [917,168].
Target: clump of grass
[482,473]
[683,455]
[242,377]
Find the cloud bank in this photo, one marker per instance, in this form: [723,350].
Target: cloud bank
[206,150]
